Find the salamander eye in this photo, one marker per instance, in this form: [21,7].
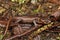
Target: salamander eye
[52,17]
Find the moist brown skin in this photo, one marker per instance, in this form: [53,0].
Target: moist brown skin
[55,16]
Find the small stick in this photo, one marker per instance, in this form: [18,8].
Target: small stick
[5,13]
[7,26]
[23,33]
[40,30]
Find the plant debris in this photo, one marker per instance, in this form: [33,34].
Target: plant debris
[29,20]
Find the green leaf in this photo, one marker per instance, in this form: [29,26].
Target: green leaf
[1,36]
[2,9]
[36,11]
[19,1]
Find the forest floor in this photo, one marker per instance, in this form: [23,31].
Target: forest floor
[29,20]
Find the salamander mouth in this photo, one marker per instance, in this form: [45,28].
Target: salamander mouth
[52,18]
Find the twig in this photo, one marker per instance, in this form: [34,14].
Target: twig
[40,30]
[7,26]
[23,33]
[5,13]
